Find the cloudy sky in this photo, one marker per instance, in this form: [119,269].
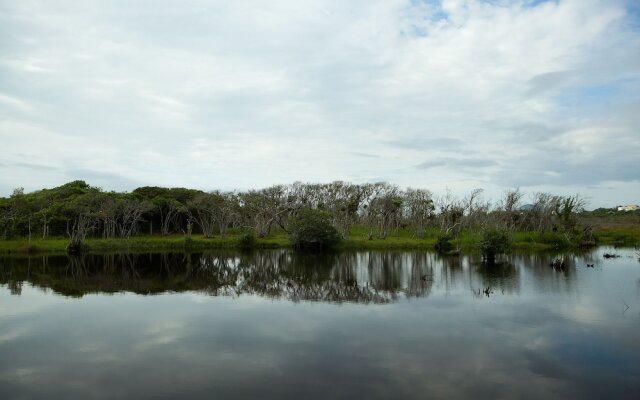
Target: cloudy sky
[452,94]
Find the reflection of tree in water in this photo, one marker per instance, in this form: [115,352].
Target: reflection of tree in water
[452,270]
[384,270]
[10,278]
[500,276]
[325,277]
[366,277]
[422,275]
[275,274]
[544,277]
[219,271]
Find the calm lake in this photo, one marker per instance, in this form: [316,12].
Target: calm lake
[354,325]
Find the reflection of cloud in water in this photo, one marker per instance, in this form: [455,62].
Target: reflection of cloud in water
[160,334]
[532,342]
[12,334]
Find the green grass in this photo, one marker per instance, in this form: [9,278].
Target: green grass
[618,235]
[619,228]
[138,243]
[400,239]
[22,245]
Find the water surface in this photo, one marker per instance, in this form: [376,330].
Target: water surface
[351,325]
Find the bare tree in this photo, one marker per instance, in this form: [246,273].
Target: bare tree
[273,205]
[202,211]
[386,208]
[226,210]
[107,214]
[508,207]
[131,212]
[451,213]
[566,210]
[475,208]
[342,201]
[419,209]
[368,207]
[542,213]
[169,210]
[83,223]
[214,210]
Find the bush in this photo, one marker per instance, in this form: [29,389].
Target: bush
[247,241]
[312,229]
[443,243]
[494,242]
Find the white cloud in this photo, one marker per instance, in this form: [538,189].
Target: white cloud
[247,94]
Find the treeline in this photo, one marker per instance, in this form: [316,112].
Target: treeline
[78,210]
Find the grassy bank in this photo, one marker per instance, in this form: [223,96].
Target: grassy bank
[138,243]
[401,239]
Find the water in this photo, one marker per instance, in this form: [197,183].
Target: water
[353,325]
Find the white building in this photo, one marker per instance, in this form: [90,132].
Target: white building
[630,207]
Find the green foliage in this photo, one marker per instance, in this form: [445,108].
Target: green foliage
[493,242]
[312,229]
[443,242]
[399,218]
[247,241]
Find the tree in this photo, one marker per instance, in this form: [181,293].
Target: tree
[107,214]
[542,213]
[215,209]
[275,204]
[566,210]
[418,208]
[509,208]
[381,207]
[82,213]
[494,241]
[7,214]
[342,200]
[312,229]
[202,210]
[476,209]
[451,214]
[226,210]
[130,213]
[169,209]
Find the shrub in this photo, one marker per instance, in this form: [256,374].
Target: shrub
[443,243]
[312,229]
[247,241]
[494,242]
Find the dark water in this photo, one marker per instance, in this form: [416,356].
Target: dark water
[353,325]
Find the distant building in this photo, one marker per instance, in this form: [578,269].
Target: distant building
[630,207]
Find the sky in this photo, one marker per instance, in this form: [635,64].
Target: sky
[446,95]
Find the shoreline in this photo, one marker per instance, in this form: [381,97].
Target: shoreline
[466,242]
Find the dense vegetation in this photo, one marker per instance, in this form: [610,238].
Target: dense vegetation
[378,212]
[312,229]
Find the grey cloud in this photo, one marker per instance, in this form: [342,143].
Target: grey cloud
[437,143]
[551,168]
[526,132]
[454,163]
[36,167]
[549,81]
